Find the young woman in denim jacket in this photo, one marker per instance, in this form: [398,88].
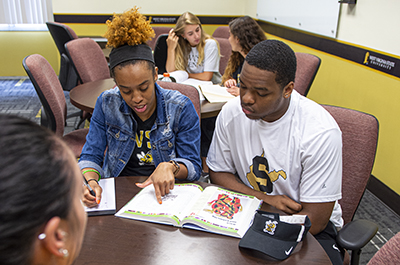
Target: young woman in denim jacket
[114,146]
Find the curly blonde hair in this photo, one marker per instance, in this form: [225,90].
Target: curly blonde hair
[130,28]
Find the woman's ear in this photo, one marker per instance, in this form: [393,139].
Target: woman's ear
[54,237]
[155,74]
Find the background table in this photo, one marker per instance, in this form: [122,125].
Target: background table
[84,97]
[120,241]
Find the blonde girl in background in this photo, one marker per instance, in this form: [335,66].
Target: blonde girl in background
[192,50]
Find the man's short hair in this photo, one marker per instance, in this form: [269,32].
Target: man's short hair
[274,56]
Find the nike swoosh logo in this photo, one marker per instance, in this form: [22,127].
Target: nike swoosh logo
[287,252]
[335,247]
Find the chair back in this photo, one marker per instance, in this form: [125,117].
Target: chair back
[158,31]
[88,59]
[359,143]
[221,32]
[160,53]
[190,91]
[307,68]
[49,90]
[62,34]
[389,253]
[226,51]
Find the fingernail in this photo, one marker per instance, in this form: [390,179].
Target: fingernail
[160,201]
[98,201]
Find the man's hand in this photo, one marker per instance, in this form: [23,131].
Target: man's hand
[283,203]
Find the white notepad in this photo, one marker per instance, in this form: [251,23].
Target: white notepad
[107,204]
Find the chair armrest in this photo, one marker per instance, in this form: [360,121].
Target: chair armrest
[356,234]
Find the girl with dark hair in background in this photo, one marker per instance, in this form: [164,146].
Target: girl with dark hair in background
[245,33]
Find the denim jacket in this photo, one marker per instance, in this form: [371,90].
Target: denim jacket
[175,134]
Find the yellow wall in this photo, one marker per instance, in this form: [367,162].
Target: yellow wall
[15,46]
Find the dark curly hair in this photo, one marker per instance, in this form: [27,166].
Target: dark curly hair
[249,34]
[274,56]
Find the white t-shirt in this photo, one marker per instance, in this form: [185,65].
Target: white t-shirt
[210,62]
[299,155]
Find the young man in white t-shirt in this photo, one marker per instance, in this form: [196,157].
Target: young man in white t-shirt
[279,146]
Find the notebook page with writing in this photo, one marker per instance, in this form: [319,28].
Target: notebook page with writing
[107,204]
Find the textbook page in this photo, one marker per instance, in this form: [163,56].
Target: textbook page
[107,204]
[175,204]
[224,212]
[215,93]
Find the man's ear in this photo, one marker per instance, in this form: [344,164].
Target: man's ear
[288,89]
[55,237]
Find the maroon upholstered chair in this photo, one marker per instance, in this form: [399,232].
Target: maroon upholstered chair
[226,51]
[221,32]
[190,91]
[61,34]
[158,31]
[307,68]
[359,143]
[88,59]
[389,253]
[54,106]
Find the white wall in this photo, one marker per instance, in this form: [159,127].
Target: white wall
[373,24]
[369,23]
[157,7]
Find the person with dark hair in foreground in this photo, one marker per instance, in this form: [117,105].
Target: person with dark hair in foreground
[42,220]
[279,146]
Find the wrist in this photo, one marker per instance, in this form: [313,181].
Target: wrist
[91,174]
[175,167]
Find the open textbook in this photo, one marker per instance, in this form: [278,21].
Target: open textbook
[107,203]
[213,209]
[215,93]
[212,93]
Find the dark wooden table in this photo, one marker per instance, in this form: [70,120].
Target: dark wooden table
[84,97]
[120,241]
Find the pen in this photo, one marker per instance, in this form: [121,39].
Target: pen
[88,186]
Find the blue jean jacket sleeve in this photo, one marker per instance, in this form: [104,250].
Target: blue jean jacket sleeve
[188,141]
[92,155]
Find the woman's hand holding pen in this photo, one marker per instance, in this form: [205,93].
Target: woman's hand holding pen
[88,198]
